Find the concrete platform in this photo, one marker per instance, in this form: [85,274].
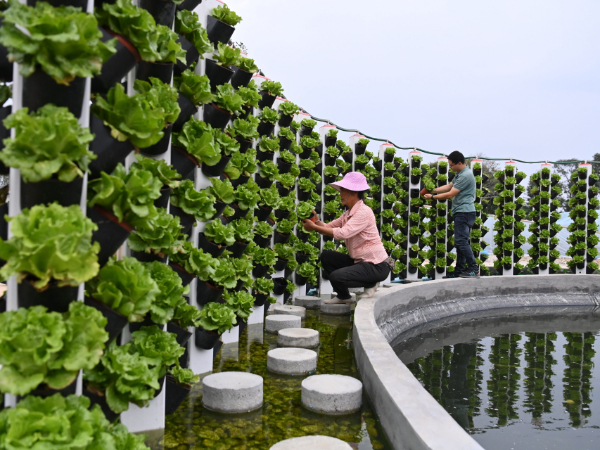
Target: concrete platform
[340,309]
[232,392]
[332,394]
[276,322]
[312,443]
[298,337]
[292,361]
[308,301]
[290,310]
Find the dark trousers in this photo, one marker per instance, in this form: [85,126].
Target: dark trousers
[463,222]
[344,273]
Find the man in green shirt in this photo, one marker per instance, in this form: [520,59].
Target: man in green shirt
[462,191]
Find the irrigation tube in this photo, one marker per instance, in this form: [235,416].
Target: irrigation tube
[351,130]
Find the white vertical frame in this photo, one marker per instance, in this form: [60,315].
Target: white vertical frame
[510,273]
[587,180]
[411,276]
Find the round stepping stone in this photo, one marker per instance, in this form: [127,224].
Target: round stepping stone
[339,309]
[232,392]
[291,361]
[332,394]
[298,337]
[290,310]
[276,322]
[312,443]
[308,301]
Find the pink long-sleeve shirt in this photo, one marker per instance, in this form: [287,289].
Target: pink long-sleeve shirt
[358,229]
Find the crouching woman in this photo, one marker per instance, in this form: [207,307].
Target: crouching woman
[367,262]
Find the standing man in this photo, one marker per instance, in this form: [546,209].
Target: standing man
[462,191]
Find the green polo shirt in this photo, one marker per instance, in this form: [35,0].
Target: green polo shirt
[464,201]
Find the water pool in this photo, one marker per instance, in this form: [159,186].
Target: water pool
[514,382]
[282,416]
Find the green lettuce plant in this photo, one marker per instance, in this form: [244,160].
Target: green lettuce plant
[187,24]
[288,157]
[159,170]
[183,376]
[195,87]
[305,185]
[242,230]
[264,257]
[288,108]
[162,347]
[161,236]
[269,115]
[224,14]
[250,95]
[170,292]
[48,143]
[284,251]
[242,268]
[39,347]
[269,145]
[227,56]
[241,303]
[50,243]
[5,93]
[287,180]
[268,170]
[219,234]
[263,285]
[126,286]
[241,164]
[196,137]
[246,196]
[194,260]
[263,229]
[244,128]
[273,88]
[155,43]
[247,65]
[308,142]
[129,196]
[185,315]
[269,197]
[64,41]
[199,204]
[160,96]
[217,317]
[304,210]
[63,422]
[285,226]
[228,99]
[225,144]
[222,190]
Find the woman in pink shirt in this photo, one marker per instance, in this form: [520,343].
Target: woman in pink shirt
[366,265]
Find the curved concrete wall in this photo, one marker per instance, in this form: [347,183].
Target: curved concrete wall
[412,418]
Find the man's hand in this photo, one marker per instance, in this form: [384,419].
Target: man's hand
[308,225]
[427,196]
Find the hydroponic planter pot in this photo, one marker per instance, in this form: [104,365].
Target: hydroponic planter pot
[161,146]
[264,156]
[285,121]
[162,71]
[109,151]
[260,271]
[280,264]
[40,88]
[217,74]
[186,277]
[186,220]
[188,109]
[279,285]
[175,394]
[267,100]
[237,249]
[215,116]
[206,293]
[6,67]
[259,298]
[244,144]
[206,339]
[110,233]
[115,320]
[150,256]
[217,169]
[54,298]
[218,31]
[262,182]
[99,398]
[182,161]
[163,200]
[241,78]
[283,167]
[265,129]
[181,335]
[299,279]
[209,247]
[44,391]
[280,238]
[262,242]
[262,213]
[52,190]
[4,134]
[191,55]
[118,65]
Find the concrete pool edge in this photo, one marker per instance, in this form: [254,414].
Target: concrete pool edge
[411,418]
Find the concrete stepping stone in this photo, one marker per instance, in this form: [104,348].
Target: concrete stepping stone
[299,311]
[312,443]
[308,301]
[232,392]
[292,361]
[276,322]
[298,337]
[332,394]
[339,309]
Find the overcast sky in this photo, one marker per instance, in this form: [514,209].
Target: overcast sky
[507,78]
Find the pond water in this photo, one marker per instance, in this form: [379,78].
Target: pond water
[515,382]
[282,416]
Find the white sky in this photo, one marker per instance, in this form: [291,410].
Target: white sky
[511,78]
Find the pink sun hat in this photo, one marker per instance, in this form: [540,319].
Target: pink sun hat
[353,181]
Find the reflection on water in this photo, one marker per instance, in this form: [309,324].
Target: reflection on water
[282,416]
[514,383]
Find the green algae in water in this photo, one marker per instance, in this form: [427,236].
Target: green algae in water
[282,415]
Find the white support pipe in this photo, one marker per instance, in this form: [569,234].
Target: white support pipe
[411,276]
[510,273]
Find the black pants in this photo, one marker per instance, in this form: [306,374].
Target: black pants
[344,273]
[463,223]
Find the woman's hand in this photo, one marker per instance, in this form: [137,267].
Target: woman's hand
[308,225]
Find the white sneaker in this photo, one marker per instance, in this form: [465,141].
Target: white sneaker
[370,292]
[337,301]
